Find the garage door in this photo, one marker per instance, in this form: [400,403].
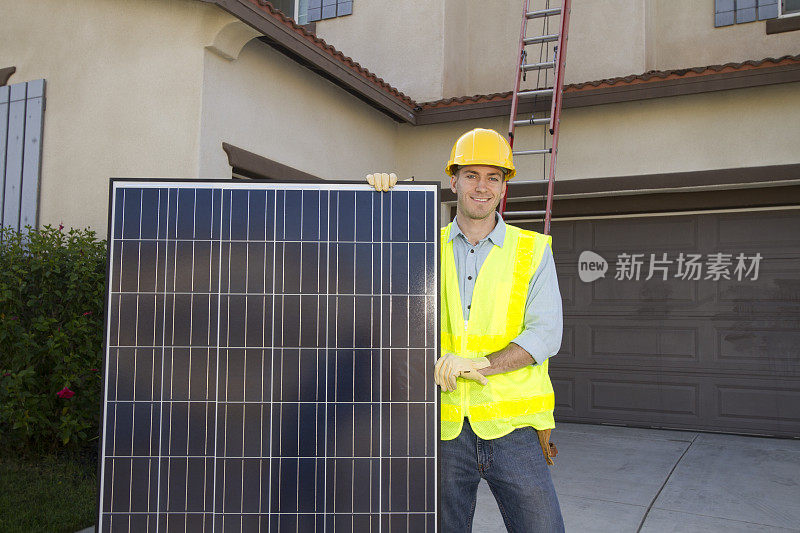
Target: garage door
[695,323]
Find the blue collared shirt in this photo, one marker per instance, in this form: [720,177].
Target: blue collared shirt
[543,316]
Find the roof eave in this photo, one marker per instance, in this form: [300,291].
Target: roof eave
[588,95]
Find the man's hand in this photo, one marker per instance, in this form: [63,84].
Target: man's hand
[451,366]
[382,181]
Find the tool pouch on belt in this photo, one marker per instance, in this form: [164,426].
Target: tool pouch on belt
[548,448]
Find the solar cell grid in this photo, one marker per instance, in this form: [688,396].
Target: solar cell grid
[268,356]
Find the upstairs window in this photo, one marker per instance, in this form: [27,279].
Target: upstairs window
[305,11]
[728,12]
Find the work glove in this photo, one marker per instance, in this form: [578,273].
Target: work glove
[451,366]
[383,181]
[548,448]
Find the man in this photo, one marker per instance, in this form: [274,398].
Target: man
[501,321]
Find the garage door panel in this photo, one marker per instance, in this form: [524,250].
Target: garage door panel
[601,342]
[771,347]
[637,235]
[708,402]
[643,396]
[644,341]
[567,351]
[564,237]
[615,293]
[564,389]
[685,345]
[775,292]
[751,231]
[638,398]
[566,284]
[779,404]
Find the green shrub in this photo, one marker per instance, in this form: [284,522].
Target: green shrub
[52,285]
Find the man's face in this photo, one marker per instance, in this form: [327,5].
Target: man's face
[479,188]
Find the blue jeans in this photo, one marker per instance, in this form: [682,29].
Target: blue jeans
[516,472]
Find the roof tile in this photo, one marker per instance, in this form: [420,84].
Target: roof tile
[651,75]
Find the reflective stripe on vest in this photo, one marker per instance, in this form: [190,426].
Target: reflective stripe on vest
[523,397]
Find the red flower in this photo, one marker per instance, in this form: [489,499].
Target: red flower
[87,313]
[6,374]
[65,393]
[60,227]
[94,370]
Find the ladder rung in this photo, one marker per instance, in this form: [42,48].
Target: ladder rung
[541,39]
[543,13]
[533,152]
[523,213]
[532,121]
[530,182]
[538,66]
[536,92]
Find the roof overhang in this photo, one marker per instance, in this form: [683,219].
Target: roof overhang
[313,53]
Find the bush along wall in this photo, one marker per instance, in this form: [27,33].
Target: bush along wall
[52,285]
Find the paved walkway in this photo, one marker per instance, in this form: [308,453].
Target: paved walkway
[615,479]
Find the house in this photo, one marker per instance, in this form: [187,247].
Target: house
[678,175]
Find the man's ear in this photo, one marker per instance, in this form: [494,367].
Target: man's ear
[453,180]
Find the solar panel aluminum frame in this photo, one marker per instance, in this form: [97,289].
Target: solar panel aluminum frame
[117,184]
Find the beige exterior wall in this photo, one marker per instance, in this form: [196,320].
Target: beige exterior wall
[728,129]
[124,82]
[401,42]
[471,48]
[268,104]
[465,47]
[683,35]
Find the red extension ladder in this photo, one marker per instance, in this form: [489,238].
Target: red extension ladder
[554,93]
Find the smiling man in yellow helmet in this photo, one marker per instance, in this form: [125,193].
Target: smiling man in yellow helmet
[501,321]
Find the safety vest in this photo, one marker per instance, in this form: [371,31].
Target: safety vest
[523,397]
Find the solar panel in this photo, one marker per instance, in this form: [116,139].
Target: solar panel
[268,359]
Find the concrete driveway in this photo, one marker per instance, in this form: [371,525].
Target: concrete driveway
[620,479]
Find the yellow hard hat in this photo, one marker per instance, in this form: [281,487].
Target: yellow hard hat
[481,147]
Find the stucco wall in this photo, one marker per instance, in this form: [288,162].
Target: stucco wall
[727,129]
[683,35]
[460,47]
[123,93]
[266,103]
[401,42]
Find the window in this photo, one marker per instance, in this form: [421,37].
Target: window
[305,11]
[790,7]
[728,12]
[327,9]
